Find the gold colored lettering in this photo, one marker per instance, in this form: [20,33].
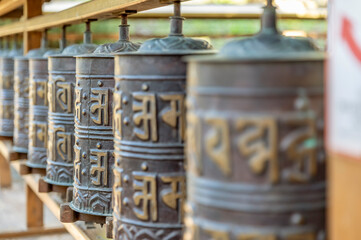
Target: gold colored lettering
[77,164]
[193,143]
[100,158]
[176,195]
[301,148]
[117,114]
[64,144]
[145,187]
[175,114]
[64,94]
[258,141]
[217,144]
[146,114]
[78,92]
[101,98]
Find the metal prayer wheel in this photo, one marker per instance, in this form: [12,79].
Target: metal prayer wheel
[149,133]
[38,110]
[94,160]
[61,97]
[7,90]
[255,156]
[21,97]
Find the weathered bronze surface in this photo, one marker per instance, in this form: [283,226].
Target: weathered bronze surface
[21,104]
[94,159]
[256,162]
[149,132]
[61,98]
[38,107]
[7,91]
[21,98]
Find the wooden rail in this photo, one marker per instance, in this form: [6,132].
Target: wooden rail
[96,9]
[53,203]
[7,6]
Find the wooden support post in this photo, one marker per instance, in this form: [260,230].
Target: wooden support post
[5,172]
[32,40]
[34,210]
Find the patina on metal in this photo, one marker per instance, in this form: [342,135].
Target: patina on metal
[7,90]
[149,132]
[61,98]
[94,160]
[38,110]
[21,98]
[255,155]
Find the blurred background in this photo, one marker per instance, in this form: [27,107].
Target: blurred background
[214,20]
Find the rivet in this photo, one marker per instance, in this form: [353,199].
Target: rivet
[83,112]
[118,162]
[126,202]
[99,145]
[145,87]
[100,83]
[117,87]
[125,100]
[83,172]
[126,121]
[84,155]
[85,96]
[144,166]
[126,178]
[297,219]
[77,142]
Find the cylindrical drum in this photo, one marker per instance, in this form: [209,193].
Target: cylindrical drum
[21,100]
[149,134]
[93,147]
[61,99]
[38,112]
[21,104]
[94,159]
[7,96]
[256,163]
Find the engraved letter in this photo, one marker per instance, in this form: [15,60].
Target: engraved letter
[145,188]
[174,115]
[100,159]
[101,98]
[145,108]
[175,196]
[258,141]
[117,114]
[78,92]
[217,144]
[301,148]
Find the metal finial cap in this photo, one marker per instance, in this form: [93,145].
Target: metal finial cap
[86,47]
[268,42]
[175,42]
[123,44]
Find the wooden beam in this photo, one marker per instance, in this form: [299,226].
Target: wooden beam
[6,6]
[99,9]
[32,39]
[32,232]
[74,229]
[34,209]
[5,172]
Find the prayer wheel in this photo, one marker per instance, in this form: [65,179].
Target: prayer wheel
[61,97]
[21,97]
[94,160]
[255,154]
[7,90]
[149,132]
[38,111]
